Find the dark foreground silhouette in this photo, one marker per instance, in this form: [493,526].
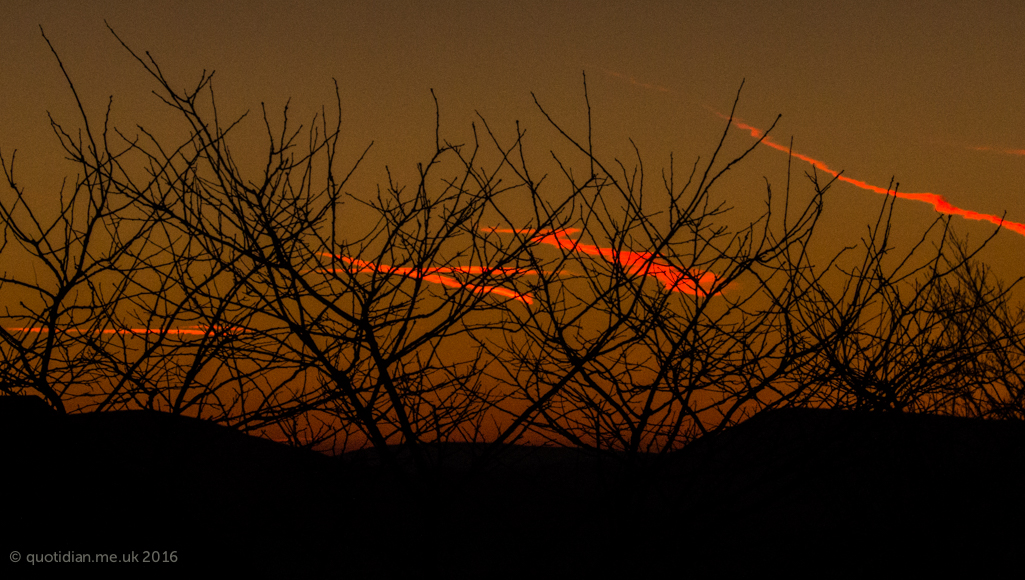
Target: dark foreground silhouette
[793,489]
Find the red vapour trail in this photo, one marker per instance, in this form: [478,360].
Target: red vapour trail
[695,282]
[937,201]
[435,276]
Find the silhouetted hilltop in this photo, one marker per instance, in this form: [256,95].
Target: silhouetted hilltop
[797,451]
[789,487]
[845,486]
[142,480]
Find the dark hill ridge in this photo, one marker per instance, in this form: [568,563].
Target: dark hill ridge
[142,480]
[786,487]
[857,482]
[778,454]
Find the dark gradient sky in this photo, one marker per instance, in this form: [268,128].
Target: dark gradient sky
[926,92]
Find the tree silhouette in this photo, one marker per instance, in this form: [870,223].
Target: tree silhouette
[620,362]
[617,318]
[648,346]
[919,337]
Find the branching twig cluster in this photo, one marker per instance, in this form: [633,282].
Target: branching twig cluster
[622,317]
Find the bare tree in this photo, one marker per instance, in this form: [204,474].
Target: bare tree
[74,270]
[618,318]
[647,350]
[299,317]
[910,332]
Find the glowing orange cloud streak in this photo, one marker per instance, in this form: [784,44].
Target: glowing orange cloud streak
[434,276]
[636,263]
[937,201]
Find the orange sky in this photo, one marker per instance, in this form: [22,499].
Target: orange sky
[925,93]
[928,94]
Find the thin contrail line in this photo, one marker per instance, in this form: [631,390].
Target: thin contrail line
[1000,150]
[434,275]
[937,201]
[696,282]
